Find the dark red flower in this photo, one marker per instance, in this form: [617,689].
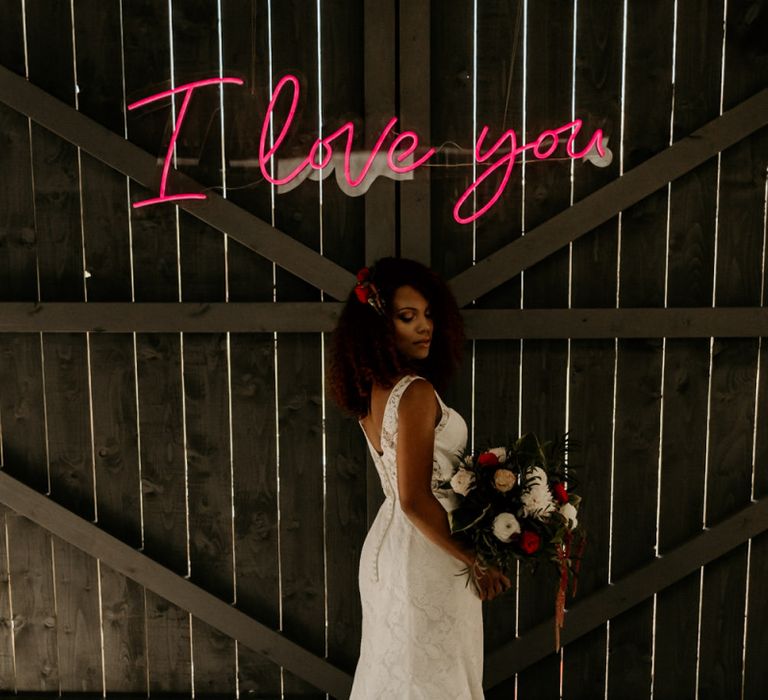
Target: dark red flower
[362,274]
[560,493]
[362,294]
[487,459]
[529,542]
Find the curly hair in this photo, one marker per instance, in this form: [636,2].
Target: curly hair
[363,347]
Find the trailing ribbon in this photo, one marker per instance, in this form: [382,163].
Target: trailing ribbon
[563,552]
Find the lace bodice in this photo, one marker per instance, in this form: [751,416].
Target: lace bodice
[450,440]
[422,632]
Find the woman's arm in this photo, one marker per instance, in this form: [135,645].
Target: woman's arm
[417,415]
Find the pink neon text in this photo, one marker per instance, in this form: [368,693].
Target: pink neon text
[507,161]
[324,144]
[187,89]
[395,157]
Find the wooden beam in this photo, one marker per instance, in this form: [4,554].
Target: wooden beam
[321,317]
[705,322]
[379,68]
[415,215]
[130,160]
[590,212]
[627,592]
[224,617]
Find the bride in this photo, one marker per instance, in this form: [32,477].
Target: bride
[398,340]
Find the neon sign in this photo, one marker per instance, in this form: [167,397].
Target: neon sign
[399,153]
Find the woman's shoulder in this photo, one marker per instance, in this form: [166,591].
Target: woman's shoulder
[417,394]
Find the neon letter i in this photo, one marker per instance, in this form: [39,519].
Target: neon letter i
[187,89]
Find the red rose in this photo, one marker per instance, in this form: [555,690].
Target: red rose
[560,493]
[362,274]
[487,459]
[529,542]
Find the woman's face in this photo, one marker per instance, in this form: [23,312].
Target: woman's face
[412,317]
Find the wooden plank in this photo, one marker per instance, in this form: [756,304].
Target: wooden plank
[205,357]
[22,409]
[756,652]
[255,482]
[414,32]
[343,217]
[56,176]
[597,92]
[757,613]
[627,592]
[449,248]
[641,181]
[22,413]
[690,257]
[17,227]
[546,191]
[305,317]
[500,99]
[143,168]
[738,279]
[37,509]
[636,437]
[7,655]
[295,43]
[761,419]
[32,589]
[245,29]
[78,620]
[379,67]
[124,630]
[164,502]
[154,251]
[499,104]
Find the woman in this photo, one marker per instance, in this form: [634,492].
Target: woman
[400,336]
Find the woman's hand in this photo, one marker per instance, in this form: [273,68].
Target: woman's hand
[490,582]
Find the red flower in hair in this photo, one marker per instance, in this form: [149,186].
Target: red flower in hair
[487,459]
[560,493]
[362,294]
[529,542]
[366,291]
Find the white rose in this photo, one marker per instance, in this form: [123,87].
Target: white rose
[504,526]
[462,481]
[501,454]
[537,499]
[504,480]
[569,513]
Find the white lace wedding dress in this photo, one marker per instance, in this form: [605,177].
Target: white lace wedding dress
[422,631]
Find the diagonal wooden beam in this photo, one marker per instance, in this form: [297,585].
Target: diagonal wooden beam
[130,160]
[321,317]
[595,209]
[627,592]
[212,610]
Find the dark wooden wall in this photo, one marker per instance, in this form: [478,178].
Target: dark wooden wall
[218,454]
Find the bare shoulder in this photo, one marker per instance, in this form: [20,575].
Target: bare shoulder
[419,399]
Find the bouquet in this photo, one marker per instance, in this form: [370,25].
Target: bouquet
[518,503]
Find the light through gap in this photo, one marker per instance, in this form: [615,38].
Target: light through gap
[275,357]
